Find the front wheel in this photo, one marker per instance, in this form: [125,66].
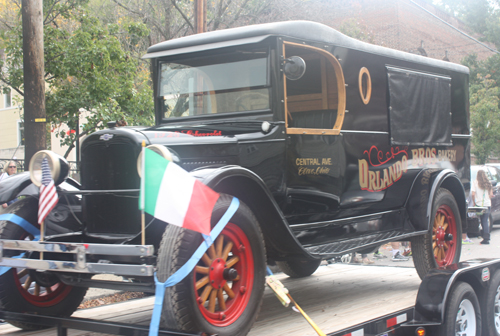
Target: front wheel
[463,315]
[442,245]
[224,292]
[28,291]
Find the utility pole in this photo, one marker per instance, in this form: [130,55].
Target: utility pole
[34,83]
[200,16]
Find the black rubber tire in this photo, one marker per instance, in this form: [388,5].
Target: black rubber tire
[11,298]
[181,310]
[460,294]
[422,250]
[299,268]
[492,298]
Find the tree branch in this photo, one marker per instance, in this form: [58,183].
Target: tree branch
[127,8]
[182,13]
[179,30]
[12,86]
[49,13]
[70,148]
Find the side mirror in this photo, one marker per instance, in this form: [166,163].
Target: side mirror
[494,183]
[295,67]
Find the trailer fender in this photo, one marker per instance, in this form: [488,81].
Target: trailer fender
[249,188]
[424,189]
[435,288]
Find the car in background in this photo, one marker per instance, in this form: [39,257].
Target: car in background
[496,165]
[493,174]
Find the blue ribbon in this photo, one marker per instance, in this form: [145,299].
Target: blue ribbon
[182,272]
[27,226]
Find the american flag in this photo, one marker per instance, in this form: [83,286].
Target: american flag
[48,194]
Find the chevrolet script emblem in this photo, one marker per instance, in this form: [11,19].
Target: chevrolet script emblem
[106,137]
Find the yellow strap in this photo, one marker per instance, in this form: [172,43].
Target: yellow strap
[308,319]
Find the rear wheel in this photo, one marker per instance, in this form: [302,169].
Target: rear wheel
[492,307]
[298,268]
[28,291]
[442,246]
[224,292]
[463,315]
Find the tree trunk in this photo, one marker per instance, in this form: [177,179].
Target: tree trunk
[34,83]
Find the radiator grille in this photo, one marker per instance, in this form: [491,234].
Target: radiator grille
[108,165]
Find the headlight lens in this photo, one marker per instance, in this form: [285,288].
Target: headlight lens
[59,167]
[159,149]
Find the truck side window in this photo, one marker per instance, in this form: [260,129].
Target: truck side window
[419,108]
[315,103]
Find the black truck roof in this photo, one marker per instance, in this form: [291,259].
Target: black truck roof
[303,30]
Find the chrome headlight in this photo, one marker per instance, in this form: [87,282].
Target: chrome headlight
[158,149]
[59,167]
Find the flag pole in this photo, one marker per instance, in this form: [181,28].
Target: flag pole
[143,179]
[42,233]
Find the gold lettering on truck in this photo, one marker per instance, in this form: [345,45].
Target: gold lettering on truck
[313,166]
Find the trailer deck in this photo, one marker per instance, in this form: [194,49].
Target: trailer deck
[337,296]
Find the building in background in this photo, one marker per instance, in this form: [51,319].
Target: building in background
[12,131]
[11,126]
[415,26]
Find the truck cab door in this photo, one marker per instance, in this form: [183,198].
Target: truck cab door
[314,109]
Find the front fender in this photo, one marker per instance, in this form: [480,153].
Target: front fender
[248,187]
[13,186]
[64,218]
[21,185]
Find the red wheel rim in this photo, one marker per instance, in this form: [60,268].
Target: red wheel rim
[444,236]
[36,294]
[220,299]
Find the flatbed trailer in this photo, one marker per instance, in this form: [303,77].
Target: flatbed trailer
[342,299]
[336,297]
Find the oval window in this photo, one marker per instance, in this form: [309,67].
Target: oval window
[365,85]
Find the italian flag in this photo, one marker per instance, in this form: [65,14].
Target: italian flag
[172,195]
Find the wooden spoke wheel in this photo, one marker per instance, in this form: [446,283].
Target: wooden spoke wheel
[442,245]
[23,290]
[224,292]
[223,277]
[444,236]
[40,290]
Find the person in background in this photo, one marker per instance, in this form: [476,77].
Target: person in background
[9,170]
[365,260]
[466,240]
[482,192]
[396,253]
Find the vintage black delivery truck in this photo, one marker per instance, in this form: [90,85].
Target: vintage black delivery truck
[332,146]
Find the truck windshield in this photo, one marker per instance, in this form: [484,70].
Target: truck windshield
[225,83]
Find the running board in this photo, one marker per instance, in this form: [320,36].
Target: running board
[341,247]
